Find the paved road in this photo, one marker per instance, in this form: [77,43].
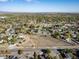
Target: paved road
[37,49]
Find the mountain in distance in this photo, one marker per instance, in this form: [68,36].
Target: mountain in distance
[53,13]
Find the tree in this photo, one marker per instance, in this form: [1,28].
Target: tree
[47,51]
[68,34]
[56,35]
[20,51]
[50,57]
[78,37]
[35,55]
[13,40]
[39,57]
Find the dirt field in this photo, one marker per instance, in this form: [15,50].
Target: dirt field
[42,41]
[33,41]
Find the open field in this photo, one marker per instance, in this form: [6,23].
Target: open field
[39,42]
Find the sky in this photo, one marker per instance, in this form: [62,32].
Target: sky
[39,5]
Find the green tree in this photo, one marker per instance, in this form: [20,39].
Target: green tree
[78,36]
[13,40]
[50,57]
[47,51]
[56,35]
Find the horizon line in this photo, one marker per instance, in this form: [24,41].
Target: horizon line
[33,12]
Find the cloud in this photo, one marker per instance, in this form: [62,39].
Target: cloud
[3,0]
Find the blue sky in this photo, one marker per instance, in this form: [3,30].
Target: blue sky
[39,5]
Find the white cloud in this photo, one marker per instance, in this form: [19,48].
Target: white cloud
[3,0]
